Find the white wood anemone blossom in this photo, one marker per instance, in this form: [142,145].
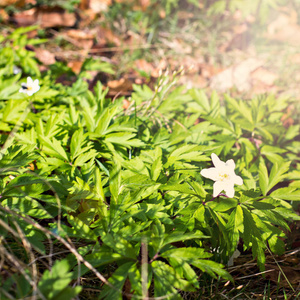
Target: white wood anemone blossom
[223,175]
[30,87]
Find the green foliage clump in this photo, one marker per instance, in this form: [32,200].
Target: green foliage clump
[91,189]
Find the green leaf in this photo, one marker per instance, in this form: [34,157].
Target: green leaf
[157,166]
[105,119]
[240,107]
[80,229]
[53,148]
[124,139]
[201,98]
[274,154]
[187,254]
[258,252]
[276,175]
[223,204]
[120,245]
[234,226]
[171,279]
[212,268]
[115,181]
[184,270]
[198,188]
[263,177]
[26,179]
[117,280]
[186,153]
[29,207]
[287,193]
[54,284]
[157,235]
[276,245]
[184,188]
[182,236]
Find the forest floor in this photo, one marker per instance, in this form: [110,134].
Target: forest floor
[232,53]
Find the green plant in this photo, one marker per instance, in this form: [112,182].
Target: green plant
[90,189]
[13,52]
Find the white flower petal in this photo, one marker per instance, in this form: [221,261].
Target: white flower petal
[211,173]
[230,164]
[224,176]
[229,190]
[216,161]
[218,187]
[35,84]
[29,81]
[238,180]
[30,87]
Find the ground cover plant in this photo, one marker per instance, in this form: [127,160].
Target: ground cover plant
[89,188]
[153,196]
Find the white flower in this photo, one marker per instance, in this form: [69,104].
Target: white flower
[223,175]
[30,87]
[16,70]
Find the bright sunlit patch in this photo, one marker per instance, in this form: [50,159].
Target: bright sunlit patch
[223,175]
[30,87]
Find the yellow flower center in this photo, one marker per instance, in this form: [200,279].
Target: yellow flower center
[223,177]
[29,88]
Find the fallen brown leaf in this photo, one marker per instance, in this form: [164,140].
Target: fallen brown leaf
[126,103]
[18,3]
[139,81]
[122,85]
[264,76]
[86,16]
[259,87]
[144,4]
[162,13]
[87,44]
[55,17]
[143,65]
[177,45]
[25,18]
[45,56]
[75,66]
[238,75]
[105,36]
[80,34]
[193,63]
[3,15]
[98,6]
[84,4]
[46,17]
[239,41]
[209,70]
